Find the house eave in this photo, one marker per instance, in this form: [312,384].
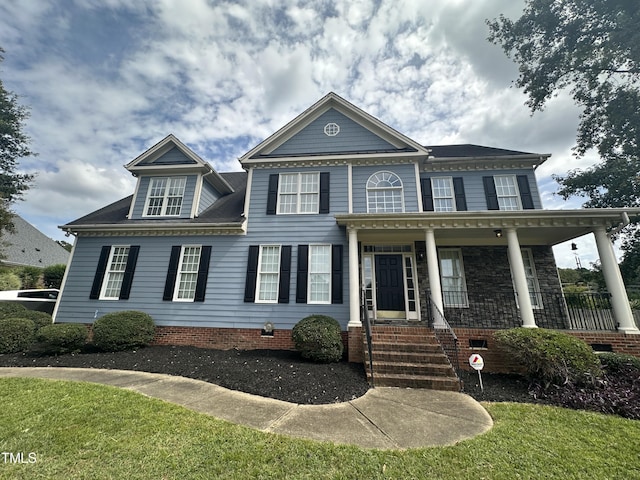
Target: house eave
[457,164]
[329,160]
[164,229]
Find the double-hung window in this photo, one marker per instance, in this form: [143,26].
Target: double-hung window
[385,193]
[114,274]
[299,193]
[187,277]
[268,274]
[454,287]
[507,192]
[532,278]
[165,196]
[443,194]
[319,289]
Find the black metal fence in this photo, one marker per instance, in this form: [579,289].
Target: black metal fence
[571,311]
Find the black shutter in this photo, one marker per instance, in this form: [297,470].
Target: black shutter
[132,259]
[172,273]
[203,273]
[427,195]
[336,274]
[252,274]
[303,272]
[458,190]
[490,193]
[285,274]
[525,192]
[272,198]
[100,271]
[324,192]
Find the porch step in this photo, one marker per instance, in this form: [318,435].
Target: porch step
[409,357]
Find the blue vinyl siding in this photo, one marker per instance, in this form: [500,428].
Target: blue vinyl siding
[474,189]
[208,196]
[407,174]
[172,157]
[187,201]
[312,139]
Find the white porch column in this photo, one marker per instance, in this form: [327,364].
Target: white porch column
[619,301]
[520,279]
[354,280]
[433,270]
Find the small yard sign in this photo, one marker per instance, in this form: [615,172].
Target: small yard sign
[477,363]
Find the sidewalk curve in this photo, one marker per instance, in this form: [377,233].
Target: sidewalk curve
[385,417]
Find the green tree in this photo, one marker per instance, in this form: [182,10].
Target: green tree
[590,48]
[14,145]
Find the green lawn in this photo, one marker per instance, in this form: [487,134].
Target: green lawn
[92,431]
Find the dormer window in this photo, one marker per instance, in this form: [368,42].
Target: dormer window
[164,197]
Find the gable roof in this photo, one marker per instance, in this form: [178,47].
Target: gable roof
[399,144]
[28,246]
[155,161]
[226,211]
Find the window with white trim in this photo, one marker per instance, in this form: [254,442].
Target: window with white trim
[532,278]
[114,275]
[165,196]
[187,277]
[442,194]
[385,193]
[299,192]
[507,192]
[268,274]
[319,290]
[454,285]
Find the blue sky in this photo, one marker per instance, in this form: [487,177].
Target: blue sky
[107,79]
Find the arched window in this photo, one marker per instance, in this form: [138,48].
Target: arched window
[384,193]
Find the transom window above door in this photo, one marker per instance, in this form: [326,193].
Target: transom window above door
[385,193]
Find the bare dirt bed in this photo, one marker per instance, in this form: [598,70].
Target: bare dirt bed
[283,375]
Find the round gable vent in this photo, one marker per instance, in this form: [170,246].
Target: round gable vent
[331,129]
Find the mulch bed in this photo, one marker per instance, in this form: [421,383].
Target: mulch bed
[279,374]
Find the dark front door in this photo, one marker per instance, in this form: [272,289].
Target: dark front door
[389,283]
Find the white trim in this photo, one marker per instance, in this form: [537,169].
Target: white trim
[350,186]
[134,199]
[418,188]
[380,189]
[108,272]
[309,273]
[528,254]
[163,207]
[453,193]
[517,195]
[176,287]
[64,281]
[458,252]
[298,193]
[247,194]
[259,272]
[197,194]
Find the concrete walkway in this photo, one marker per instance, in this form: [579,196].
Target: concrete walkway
[385,418]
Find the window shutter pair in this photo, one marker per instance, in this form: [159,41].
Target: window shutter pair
[127,280]
[303,272]
[492,196]
[252,274]
[458,192]
[172,273]
[272,195]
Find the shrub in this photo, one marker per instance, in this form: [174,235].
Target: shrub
[10,281]
[40,319]
[614,363]
[123,330]
[550,357]
[12,309]
[61,338]
[29,276]
[52,276]
[16,334]
[318,338]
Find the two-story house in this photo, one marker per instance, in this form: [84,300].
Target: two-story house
[338,214]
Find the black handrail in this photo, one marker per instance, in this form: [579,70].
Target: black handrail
[364,317]
[445,336]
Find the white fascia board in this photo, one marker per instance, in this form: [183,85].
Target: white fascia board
[440,164]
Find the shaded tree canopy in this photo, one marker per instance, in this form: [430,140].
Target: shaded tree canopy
[590,48]
[14,145]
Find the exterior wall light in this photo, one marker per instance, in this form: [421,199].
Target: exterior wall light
[498,233]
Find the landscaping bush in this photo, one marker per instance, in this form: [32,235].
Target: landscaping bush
[52,276]
[318,338]
[61,338]
[123,330]
[10,281]
[12,309]
[615,363]
[550,357]
[40,319]
[16,334]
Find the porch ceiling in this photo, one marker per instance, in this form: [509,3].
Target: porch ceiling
[534,227]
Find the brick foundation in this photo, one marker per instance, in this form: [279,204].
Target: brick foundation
[355,345]
[496,361]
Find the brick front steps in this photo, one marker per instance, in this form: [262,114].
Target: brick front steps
[409,357]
